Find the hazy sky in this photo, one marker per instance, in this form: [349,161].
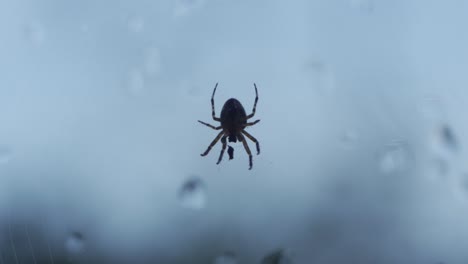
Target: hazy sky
[362,131]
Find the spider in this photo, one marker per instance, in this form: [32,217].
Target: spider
[233,123]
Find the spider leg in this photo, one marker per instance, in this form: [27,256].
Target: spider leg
[255,104]
[212,105]
[223,140]
[251,123]
[212,143]
[253,139]
[247,149]
[208,125]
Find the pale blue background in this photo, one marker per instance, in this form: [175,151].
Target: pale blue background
[99,102]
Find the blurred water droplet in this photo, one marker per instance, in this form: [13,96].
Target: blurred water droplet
[365,6]
[136,82]
[316,65]
[193,90]
[153,61]
[183,7]
[74,243]
[447,138]
[440,167]
[431,108]
[226,258]
[136,24]
[348,138]
[35,33]
[84,28]
[279,256]
[192,194]
[394,157]
[323,79]
[5,154]
[464,184]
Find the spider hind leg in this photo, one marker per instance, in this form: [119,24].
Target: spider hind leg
[223,140]
[247,149]
[212,143]
[253,139]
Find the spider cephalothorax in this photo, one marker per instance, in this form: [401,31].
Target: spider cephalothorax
[233,122]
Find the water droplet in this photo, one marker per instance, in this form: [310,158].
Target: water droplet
[136,24]
[136,82]
[440,167]
[365,6]
[446,137]
[5,154]
[394,157]
[348,138]
[464,182]
[183,7]
[323,79]
[35,33]
[153,61]
[432,108]
[74,243]
[194,90]
[192,194]
[226,258]
[84,28]
[279,256]
[316,65]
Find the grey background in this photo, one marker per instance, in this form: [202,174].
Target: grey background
[362,107]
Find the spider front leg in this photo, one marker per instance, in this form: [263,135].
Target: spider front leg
[212,105]
[255,103]
[208,125]
[212,143]
[251,123]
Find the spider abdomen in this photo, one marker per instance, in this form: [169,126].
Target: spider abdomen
[233,118]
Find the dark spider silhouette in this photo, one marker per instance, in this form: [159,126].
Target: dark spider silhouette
[233,122]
